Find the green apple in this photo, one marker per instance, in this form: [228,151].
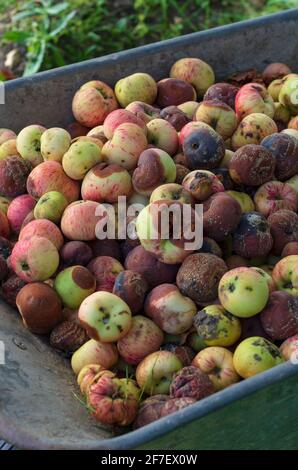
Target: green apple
[243,292]
[255,355]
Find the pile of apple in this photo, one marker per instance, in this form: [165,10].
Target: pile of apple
[153,327]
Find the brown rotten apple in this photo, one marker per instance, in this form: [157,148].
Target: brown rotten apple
[199,276]
[284,230]
[40,307]
[191,382]
[280,316]
[252,237]
[252,165]
[154,271]
[222,215]
[172,92]
[131,287]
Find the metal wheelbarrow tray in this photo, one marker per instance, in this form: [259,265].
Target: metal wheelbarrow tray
[37,407]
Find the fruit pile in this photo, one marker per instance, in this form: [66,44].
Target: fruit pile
[152,327]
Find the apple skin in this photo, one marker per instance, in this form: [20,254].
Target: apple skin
[106,317]
[6,134]
[222,214]
[194,71]
[217,362]
[255,355]
[267,275]
[163,135]
[51,206]
[220,116]
[280,316]
[49,176]
[245,201]
[274,196]
[291,132]
[191,382]
[106,182]
[253,98]
[172,92]
[40,307]
[118,117]
[252,165]
[252,130]
[3,268]
[288,93]
[143,338]
[293,123]
[34,259]
[131,287]
[290,249]
[189,108]
[199,275]
[281,116]
[284,229]
[203,148]
[155,372]
[173,192]
[105,270]
[81,156]
[93,102]
[113,401]
[14,172]
[42,228]
[169,251]
[175,116]
[28,143]
[4,204]
[143,111]
[169,309]
[4,226]
[150,410]
[54,143]
[136,87]
[274,71]
[252,237]
[75,253]
[94,352]
[289,349]
[79,220]
[18,209]
[73,285]
[155,167]
[285,275]
[202,184]
[97,133]
[243,292]
[216,326]
[284,149]
[154,271]
[8,149]
[126,145]
[87,376]
[187,130]
[10,289]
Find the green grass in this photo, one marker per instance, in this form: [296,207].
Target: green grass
[58,33]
